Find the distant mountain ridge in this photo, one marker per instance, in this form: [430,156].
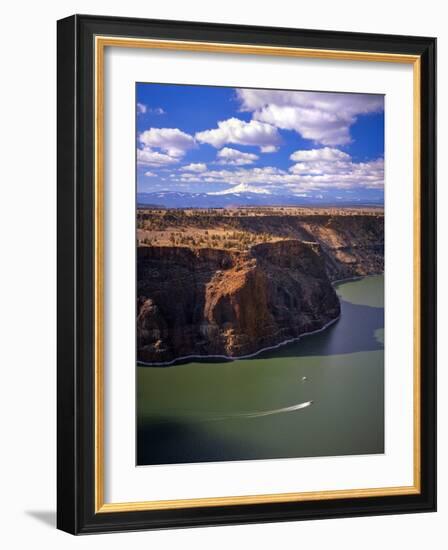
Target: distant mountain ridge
[178,199]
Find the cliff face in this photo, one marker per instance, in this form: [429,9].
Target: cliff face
[209,301]
[352,245]
[215,302]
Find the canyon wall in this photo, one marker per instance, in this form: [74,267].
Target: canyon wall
[352,245]
[207,301]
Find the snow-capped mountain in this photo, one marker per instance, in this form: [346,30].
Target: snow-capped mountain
[244,195]
[241,188]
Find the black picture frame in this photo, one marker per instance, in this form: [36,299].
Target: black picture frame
[76,511]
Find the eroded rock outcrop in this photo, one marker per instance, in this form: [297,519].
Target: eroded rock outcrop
[352,246]
[216,302]
[211,301]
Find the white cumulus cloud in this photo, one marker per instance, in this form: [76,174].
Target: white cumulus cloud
[231,156]
[172,141]
[148,157]
[236,131]
[328,167]
[323,117]
[163,146]
[195,167]
[318,169]
[324,154]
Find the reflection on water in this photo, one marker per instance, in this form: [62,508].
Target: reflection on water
[260,407]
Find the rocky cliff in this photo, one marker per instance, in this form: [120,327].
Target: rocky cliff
[206,301]
[215,302]
[352,245]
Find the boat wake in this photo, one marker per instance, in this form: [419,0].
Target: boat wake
[216,417]
[258,414]
[292,408]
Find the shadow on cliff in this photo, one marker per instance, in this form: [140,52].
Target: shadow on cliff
[353,332]
[172,441]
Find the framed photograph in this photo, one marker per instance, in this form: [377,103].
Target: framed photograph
[246,274]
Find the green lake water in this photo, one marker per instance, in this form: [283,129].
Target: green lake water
[322,395]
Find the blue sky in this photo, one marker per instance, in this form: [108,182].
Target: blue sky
[219,140]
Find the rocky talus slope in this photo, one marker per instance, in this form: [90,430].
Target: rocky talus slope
[205,301]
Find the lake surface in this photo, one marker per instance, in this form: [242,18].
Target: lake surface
[322,395]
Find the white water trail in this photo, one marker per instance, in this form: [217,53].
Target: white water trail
[292,408]
[258,414]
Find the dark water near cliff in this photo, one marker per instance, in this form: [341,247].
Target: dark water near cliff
[320,396]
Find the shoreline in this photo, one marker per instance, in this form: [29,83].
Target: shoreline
[230,358]
[347,279]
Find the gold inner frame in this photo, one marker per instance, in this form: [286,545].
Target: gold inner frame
[101,42]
